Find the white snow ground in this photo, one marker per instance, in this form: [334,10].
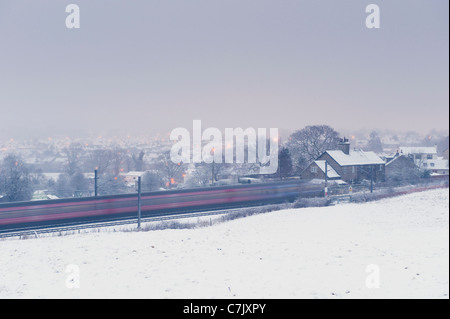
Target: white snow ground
[402,243]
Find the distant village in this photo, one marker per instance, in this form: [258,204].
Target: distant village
[62,167]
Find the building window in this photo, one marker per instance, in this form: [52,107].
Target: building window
[314,169]
[432,164]
[417,157]
[353,169]
[425,164]
[429,156]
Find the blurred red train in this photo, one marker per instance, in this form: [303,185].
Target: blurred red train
[108,208]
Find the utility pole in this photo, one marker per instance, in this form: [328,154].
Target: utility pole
[96,182]
[279,166]
[213,173]
[139,202]
[326,178]
[213,179]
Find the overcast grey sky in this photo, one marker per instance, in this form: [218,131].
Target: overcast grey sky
[158,65]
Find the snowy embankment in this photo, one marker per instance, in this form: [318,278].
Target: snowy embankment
[394,248]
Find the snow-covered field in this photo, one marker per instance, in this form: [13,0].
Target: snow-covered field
[395,248]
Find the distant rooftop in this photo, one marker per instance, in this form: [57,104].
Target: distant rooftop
[355,157]
[417,150]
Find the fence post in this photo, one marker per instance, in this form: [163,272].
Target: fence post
[139,203]
[96,182]
[326,178]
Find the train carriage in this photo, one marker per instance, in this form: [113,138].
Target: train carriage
[108,208]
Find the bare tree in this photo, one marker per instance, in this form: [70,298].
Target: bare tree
[74,154]
[152,181]
[199,176]
[171,172]
[138,161]
[309,143]
[15,181]
[71,185]
[119,160]
[101,160]
[110,184]
[374,144]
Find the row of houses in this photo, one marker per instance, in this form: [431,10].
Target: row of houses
[355,165]
[423,158]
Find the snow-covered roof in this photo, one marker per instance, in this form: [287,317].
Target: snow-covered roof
[356,157]
[331,172]
[418,150]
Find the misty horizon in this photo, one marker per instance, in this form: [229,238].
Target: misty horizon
[146,68]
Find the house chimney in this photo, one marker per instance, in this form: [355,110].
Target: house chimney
[344,146]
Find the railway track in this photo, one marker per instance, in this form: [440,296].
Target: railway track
[70,227]
[35,230]
[69,214]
